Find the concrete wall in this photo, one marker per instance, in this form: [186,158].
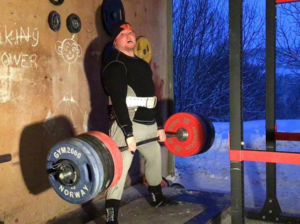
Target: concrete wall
[46,97]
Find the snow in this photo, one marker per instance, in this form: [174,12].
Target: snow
[210,171]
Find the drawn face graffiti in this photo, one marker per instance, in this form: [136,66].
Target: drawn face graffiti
[69,49]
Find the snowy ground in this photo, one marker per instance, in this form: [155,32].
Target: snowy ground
[211,171]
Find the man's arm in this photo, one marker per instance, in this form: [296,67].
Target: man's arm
[114,80]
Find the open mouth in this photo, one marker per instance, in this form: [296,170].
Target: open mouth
[129,41]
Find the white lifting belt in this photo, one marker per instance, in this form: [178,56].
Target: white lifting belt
[149,102]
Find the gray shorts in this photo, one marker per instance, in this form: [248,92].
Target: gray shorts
[150,151]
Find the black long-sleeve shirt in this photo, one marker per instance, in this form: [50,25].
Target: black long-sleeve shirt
[120,71]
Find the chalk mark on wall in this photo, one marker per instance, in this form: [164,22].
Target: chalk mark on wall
[14,38]
[69,50]
[19,59]
[5,86]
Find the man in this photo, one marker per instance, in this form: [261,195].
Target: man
[128,81]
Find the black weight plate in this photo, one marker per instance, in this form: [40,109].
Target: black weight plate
[54,21]
[177,185]
[210,132]
[105,157]
[73,23]
[57,2]
[90,168]
[112,12]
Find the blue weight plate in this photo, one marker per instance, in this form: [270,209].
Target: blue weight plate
[90,169]
[112,12]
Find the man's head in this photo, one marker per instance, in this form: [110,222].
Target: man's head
[124,38]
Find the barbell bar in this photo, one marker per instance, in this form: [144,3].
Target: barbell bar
[181,135]
[80,168]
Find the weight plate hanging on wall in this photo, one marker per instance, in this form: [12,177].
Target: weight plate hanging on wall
[73,23]
[112,12]
[54,21]
[57,2]
[143,49]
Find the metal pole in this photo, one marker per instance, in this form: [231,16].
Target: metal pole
[236,117]
[171,157]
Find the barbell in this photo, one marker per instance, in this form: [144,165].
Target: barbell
[81,167]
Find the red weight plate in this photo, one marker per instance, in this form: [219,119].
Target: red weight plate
[115,153]
[196,134]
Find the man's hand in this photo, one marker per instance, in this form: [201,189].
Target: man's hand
[131,143]
[162,135]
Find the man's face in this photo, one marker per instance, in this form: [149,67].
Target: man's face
[125,41]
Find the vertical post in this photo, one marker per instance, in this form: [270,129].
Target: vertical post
[236,118]
[271,210]
[270,86]
[171,157]
[271,203]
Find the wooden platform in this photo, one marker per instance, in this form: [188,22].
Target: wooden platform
[194,207]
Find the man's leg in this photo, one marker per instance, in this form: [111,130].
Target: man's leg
[152,154]
[116,191]
[114,194]
[150,151]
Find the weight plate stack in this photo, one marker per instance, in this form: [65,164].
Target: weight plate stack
[117,159]
[82,160]
[191,125]
[210,130]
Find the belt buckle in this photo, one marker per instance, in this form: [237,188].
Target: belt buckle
[151,102]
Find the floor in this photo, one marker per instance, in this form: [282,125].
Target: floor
[194,207]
